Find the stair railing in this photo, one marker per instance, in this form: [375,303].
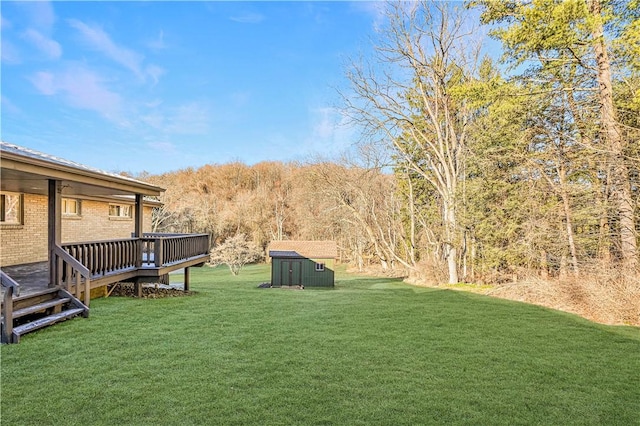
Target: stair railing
[69,271]
[10,287]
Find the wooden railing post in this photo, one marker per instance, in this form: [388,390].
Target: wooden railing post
[87,291]
[158,252]
[7,305]
[139,251]
[7,314]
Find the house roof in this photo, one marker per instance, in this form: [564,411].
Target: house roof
[307,249]
[27,170]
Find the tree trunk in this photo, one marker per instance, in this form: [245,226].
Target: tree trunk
[562,273]
[450,251]
[544,265]
[412,219]
[611,132]
[568,217]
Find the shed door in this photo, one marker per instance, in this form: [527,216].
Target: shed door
[292,272]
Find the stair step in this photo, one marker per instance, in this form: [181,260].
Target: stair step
[30,299]
[43,322]
[40,307]
[46,292]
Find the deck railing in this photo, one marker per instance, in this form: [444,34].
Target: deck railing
[70,272]
[11,288]
[104,257]
[151,250]
[166,249]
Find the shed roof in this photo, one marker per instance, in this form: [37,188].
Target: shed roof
[308,249]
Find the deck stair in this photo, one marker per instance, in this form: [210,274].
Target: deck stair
[38,310]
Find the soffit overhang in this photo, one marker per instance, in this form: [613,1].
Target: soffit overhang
[27,174]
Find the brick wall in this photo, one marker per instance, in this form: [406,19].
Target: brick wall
[95,224]
[27,243]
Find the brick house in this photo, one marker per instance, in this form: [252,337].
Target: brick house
[88,227]
[83,219]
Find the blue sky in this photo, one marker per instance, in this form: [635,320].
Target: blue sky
[160,86]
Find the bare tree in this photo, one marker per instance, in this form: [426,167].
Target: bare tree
[412,95]
[235,252]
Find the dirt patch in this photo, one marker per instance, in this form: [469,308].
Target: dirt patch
[149,291]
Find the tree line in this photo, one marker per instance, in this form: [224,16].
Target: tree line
[469,168]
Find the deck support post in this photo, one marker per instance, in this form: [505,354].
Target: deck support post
[186,279]
[54,232]
[138,226]
[7,307]
[139,215]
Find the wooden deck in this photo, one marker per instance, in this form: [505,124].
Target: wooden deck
[40,294]
[32,277]
[105,262]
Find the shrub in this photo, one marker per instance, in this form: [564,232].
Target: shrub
[235,252]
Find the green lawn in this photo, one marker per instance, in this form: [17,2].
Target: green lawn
[371,351]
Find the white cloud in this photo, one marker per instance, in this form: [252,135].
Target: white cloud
[9,53]
[99,40]
[323,127]
[44,82]
[188,119]
[155,72]
[157,43]
[5,24]
[248,18]
[375,9]
[166,147]
[49,47]
[192,119]
[154,119]
[9,106]
[80,88]
[329,131]
[41,14]
[153,103]
[41,19]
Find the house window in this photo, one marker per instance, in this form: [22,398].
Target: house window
[70,207]
[11,208]
[319,267]
[120,210]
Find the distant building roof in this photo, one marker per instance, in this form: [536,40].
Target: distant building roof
[306,249]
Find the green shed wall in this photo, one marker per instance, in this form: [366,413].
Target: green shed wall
[308,276]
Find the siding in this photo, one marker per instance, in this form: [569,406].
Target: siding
[308,276]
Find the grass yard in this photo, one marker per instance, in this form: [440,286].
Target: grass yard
[371,351]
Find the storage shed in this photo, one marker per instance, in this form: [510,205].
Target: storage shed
[303,263]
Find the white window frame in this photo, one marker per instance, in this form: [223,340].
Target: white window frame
[19,207]
[124,211]
[319,267]
[67,202]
